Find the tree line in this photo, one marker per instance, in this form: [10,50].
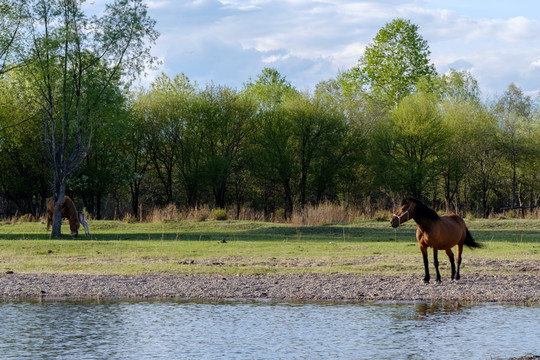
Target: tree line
[389,126]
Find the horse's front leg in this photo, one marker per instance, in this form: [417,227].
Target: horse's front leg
[423,249]
[436,263]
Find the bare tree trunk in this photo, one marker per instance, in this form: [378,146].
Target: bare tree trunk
[58,201]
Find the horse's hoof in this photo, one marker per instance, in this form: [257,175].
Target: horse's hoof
[426,281]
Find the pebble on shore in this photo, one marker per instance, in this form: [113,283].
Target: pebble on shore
[291,287]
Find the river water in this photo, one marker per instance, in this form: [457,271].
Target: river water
[265,330]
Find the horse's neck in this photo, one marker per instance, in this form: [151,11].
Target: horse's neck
[74,219]
[423,223]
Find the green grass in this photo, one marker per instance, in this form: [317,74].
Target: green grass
[240,247]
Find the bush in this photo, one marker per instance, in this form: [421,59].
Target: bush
[25,218]
[168,213]
[129,218]
[382,216]
[219,214]
[198,213]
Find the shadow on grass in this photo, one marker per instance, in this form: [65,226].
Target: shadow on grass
[282,233]
[267,232]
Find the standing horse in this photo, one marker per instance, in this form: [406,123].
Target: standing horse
[70,212]
[436,232]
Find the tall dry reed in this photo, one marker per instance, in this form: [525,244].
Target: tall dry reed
[325,213]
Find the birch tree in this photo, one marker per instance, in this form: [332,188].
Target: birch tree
[73,61]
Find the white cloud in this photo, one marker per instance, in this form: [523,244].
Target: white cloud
[157,4]
[228,41]
[520,28]
[275,58]
[510,30]
[243,5]
[536,64]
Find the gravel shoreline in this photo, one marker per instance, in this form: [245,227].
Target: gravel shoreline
[473,287]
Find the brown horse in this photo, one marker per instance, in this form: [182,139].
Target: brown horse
[436,232]
[70,212]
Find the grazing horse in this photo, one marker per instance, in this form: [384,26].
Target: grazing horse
[70,212]
[437,232]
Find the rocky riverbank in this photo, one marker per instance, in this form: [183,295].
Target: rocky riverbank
[473,287]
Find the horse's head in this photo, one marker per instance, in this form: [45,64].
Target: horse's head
[405,212]
[74,225]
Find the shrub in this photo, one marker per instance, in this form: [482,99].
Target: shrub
[382,215]
[220,214]
[199,213]
[168,213]
[129,218]
[25,218]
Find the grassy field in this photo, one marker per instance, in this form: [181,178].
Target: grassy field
[239,247]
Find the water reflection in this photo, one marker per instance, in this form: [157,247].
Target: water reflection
[254,330]
[425,310]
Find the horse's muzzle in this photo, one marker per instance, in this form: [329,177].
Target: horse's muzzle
[394,222]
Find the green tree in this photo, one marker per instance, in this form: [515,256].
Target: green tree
[461,119]
[531,177]
[318,139]
[106,169]
[395,61]
[73,60]
[225,117]
[485,168]
[461,111]
[460,86]
[344,171]
[23,169]
[166,111]
[408,146]
[12,16]
[269,88]
[514,111]
[135,150]
[271,154]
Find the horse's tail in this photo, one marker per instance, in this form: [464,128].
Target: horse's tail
[469,241]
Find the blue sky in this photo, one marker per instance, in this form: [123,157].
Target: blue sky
[230,41]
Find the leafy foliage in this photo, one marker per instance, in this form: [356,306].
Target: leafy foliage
[376,132]
[396,60]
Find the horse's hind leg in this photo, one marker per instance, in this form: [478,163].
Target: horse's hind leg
[459,252]
[452,263]
[436,263]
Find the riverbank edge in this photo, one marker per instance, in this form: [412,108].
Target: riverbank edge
[472,288]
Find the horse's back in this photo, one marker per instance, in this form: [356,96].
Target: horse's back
[67,206]
[455,218]
[444,233]
[453,230]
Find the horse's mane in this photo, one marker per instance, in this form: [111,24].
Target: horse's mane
[421,210]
